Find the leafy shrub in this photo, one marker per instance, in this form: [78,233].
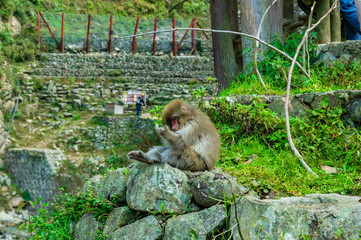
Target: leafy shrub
[21,50]
[68,209]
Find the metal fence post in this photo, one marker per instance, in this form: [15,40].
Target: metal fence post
[110,43]
[155,29]
[88,35]
[194,35]
[174,43]
[52,34]
[134,43]
[39,31]
[62,34]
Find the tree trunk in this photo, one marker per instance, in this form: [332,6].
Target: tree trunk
[335,23]
[324,29]
[251,14]
[288,9]
[224,16]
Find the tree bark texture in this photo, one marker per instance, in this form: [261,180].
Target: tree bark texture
[288,9]
[324,29]
[335,22]
[251,14]
[224,16]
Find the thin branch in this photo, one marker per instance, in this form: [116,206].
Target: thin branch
[289,136]
[306,44]
[225,31]
[257,43]
[177,5]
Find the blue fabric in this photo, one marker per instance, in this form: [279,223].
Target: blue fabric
[139,107]
[350,19]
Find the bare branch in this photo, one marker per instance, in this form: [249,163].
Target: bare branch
[225,31]
[257,43]
[289,136]
[306,44]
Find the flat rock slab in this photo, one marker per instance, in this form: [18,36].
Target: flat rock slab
[146,228]
[315,216]
[202,224]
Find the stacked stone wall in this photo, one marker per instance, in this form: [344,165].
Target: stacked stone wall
[104,77]
[34,170]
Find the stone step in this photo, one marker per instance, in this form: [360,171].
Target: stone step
[132,79]
[201,65]
[122,73]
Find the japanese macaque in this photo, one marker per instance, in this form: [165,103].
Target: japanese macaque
[193,142]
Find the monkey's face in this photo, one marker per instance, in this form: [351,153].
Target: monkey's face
[176,115]
[174,123]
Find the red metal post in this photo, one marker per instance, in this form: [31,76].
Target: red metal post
[202,31]
[134,43]
[62,34]
[39,31]
[155,29]
[174,43]
[110,34]
[88,35]
[194,34]
[179,44]
[47,25]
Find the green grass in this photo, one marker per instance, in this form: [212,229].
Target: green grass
[281,171]
[321,138]
[323,79]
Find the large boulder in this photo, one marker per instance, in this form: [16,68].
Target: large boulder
[86,228]
[117,218]
[14,26]
[146,228]
[355,111]
[158,187]
[315,216]
[211,188]
[112,185]
[203,224]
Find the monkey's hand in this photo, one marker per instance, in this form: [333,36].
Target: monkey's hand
[171,137]
[138,155]
[162,131]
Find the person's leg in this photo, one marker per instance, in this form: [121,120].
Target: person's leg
[138,110]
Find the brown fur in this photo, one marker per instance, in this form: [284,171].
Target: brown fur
[194,147]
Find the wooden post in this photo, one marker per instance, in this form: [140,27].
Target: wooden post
[251,15]
[134,43]
[39,31]
[174,43]
[155,29]
[324,28]
[224,16]
[288,9]
[88,35]
[194,35]
[335,22]
[110,34]
[62,34]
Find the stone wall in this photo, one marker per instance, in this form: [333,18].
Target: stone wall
[33,171]
[175,204]
[349,100]
[104,77]
[114,130]
[344,51]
